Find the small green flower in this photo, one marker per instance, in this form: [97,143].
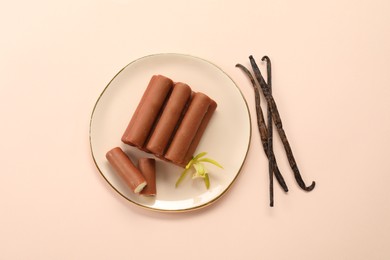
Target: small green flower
[200,170]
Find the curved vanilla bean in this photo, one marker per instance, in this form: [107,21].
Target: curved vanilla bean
[263,128]
[270,130]
[278,123]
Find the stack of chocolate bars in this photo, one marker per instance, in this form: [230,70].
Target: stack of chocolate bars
[169,123]
[169,120]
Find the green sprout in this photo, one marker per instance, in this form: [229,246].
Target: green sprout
[200,171]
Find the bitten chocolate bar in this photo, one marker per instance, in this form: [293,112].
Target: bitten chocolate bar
[147,166]
[170,120]
[126,170]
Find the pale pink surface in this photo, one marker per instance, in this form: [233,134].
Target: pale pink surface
[331,83]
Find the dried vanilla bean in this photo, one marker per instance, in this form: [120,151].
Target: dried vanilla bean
[263,128]
[278,123]
[270,130]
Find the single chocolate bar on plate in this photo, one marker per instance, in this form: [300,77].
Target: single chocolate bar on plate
[188,129]
[147,111]
[199,133]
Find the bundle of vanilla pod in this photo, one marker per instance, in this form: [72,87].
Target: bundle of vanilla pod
[265,129]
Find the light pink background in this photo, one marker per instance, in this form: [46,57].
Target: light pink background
[331,63]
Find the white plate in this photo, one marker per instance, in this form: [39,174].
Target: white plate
[226,138]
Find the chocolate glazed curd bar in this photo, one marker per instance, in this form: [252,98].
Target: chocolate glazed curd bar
[126,170]
[170,120]
[186,133]
[147,166]
[210,111]
[147,111]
